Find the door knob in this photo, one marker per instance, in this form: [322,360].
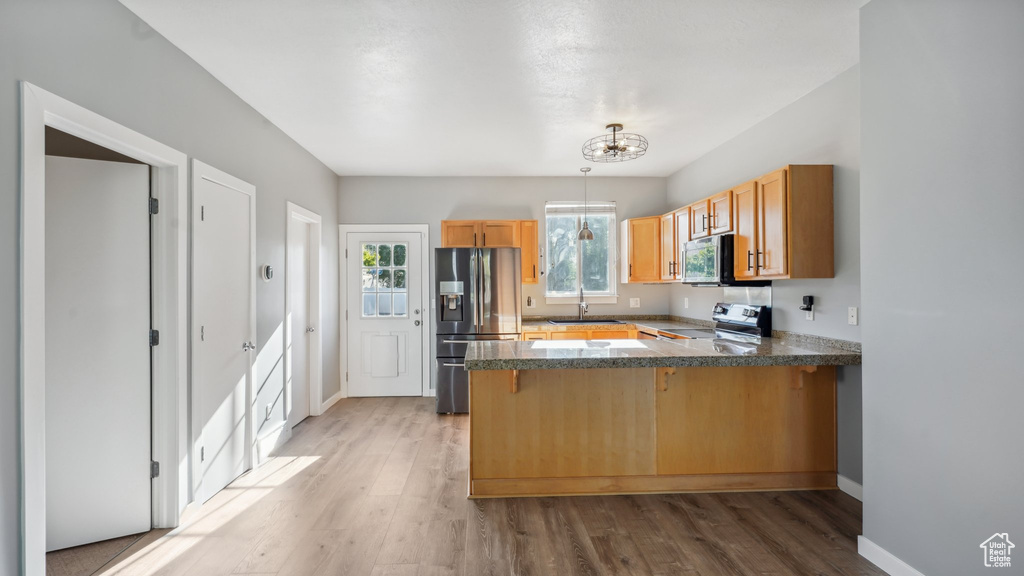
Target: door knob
[310,330]
[417,323]
[246,346]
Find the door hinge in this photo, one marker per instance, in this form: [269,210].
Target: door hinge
[154,337]
[346,252]
[154,469]
[154,206]
[202,213]
[202,333]
[202,454]
[346,376]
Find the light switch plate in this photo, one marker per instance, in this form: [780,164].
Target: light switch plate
[686,302]
[851,316]
[634,302]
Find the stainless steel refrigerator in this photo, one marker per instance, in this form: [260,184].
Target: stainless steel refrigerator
[478,298]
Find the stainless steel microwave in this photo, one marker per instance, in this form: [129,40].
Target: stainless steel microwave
[709,261]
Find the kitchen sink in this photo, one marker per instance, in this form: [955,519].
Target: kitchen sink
[585,321]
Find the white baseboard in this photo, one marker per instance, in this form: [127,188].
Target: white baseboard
[330,402]
[266,444]
[883,559]
[850,487]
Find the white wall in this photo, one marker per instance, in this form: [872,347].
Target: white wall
[99,55]
[823,127]
[942,207]
[398,200]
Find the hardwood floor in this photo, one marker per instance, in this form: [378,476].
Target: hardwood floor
[378,487]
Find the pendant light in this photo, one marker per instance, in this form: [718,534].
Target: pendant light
[585,233]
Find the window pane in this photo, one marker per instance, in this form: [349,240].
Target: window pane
[401,305]
[384,305]
[400,250]
[384,255]
[368,284]
[399,277]
[369,304]
[595,255]
[384,280]
[369,255]
[561,232]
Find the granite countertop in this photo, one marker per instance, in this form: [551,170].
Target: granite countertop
[540,325]
[556,354]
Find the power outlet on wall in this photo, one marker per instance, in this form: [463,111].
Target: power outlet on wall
[530,302]
[810,315]
[686,302]
[851,316]
[634,302]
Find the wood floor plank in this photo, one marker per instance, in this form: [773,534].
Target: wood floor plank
[377,486]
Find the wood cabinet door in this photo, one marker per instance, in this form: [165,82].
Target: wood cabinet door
[668,246]
[499,233]
[644,249]
[771,224]
[459,233]
[720,218]
[682,237]
[700,227]
[538,335]
[745,224]
[528,243]
[568,335]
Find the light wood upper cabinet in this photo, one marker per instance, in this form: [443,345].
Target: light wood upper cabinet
[460,233]
[668,247]
[700,227]
[499,234]
[720,215]
[745,225]
[682,236]
[640,249]
[772,222]
[528,242]
[784,225]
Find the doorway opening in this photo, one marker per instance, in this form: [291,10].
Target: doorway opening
[303,342]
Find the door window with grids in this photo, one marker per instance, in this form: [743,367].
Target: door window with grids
[385,280]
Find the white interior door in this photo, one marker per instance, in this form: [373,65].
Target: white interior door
[299,325]
[97,351]
[385,314]
[223,327]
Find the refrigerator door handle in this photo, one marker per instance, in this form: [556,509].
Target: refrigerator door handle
[480,290]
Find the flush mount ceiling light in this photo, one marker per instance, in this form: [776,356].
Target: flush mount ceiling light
[585,233]
[618,146]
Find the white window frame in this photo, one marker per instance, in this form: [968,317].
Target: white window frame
[595,208]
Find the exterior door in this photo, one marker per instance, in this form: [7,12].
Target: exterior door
[298,322]
[771,205]
[97,351]
[223,327]
[385,313]
[745,222]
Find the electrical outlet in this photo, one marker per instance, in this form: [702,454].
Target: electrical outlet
[634,302]
[851,316]
[686,302]
[810,315]
[269,411]
[530,302]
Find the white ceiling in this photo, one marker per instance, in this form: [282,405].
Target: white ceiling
[514,87]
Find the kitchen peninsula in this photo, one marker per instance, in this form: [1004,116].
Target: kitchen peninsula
[559,417]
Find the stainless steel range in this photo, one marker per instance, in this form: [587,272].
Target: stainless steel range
[733,320]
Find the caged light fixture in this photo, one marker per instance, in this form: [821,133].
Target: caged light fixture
[585,233]
[618,146]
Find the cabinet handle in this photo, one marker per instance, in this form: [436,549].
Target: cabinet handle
[534,270]
[749,256]
[474,238]
[630,270]
[703,222]
[758,259]
[485,238]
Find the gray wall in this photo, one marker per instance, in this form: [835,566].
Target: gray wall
[99,55]
[396,200]
[943,139]
[823,127]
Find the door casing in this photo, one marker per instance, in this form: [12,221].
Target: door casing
[297,214]
[169,184]
[343,231]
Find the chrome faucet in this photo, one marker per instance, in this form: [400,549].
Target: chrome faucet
[584,307]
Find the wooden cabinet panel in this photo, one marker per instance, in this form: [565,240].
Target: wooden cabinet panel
[528,242]
[612,334]
[668,247]
[460,233]
[720,217]
[499,233]
[568,335]
[699,225]
[644,249]
[745,224]
[538,335]
[753,419]
[772,224]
